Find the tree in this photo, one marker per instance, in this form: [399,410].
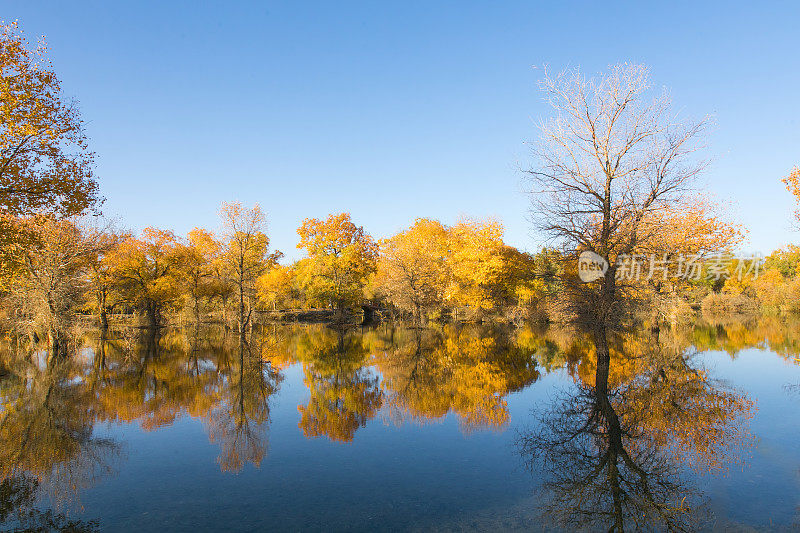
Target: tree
[341,256]
[202,255]
[477,263]
[467,265]
[275,286]
[147,272]
[50,278]
[613,175]
[792,183]
[412,269]
[523,282]
[103,295]
[44,159]
[245,254]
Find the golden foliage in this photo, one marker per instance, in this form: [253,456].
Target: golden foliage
[413,267]
[45,163]
[430,266]
[792,183]
[148,271]
[340,258]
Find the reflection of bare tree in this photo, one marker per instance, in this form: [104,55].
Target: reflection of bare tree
[597,476]
[613,456]
[239,424]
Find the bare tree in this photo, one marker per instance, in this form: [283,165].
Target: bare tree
[614,171]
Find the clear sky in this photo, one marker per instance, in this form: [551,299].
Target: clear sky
[393,112]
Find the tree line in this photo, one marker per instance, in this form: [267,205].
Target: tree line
[614,173]
[60,261]
[58,269]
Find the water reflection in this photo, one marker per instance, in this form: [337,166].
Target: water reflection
[157,379]
[613,450]
[18,511]
[464,370]
[238,421]
[47,445]
[344,392]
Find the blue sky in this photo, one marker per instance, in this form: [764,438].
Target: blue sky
[401,110]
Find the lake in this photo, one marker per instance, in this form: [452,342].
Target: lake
[469,427]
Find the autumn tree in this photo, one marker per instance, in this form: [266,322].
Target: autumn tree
[50,280]
[792,183]
[102,293]
[275,287]
[777,285]
[202,255]
[340,258]
[464,266]
[613,175]
[413,268]
[487,275]
[245,254]
[476,262]
[147,272]
[45,162]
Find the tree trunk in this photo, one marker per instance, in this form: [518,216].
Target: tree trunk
[57,344]
[103,319]
[151,310]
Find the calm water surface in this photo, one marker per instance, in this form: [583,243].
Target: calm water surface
[447,428]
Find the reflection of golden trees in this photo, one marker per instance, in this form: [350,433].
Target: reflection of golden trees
[276,344]
[153,380]
[46,430]
[614,451]
[345,393]
[683,409]
[18,512]
[468,371]
[666,404]
[153,383]
[239,423]
[780,334]
[426,373]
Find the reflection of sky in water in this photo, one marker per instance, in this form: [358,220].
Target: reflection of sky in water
[769,485]
[404,473]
